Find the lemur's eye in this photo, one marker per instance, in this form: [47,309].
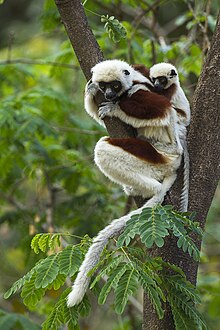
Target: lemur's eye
[126,72]
[116,85]
[173,73]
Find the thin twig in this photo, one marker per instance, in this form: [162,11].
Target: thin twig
[10,43]
[38,62]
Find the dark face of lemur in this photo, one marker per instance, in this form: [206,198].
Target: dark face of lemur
[161,82]
[112,89]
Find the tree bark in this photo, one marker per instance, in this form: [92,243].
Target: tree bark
[204,150]
[203,141]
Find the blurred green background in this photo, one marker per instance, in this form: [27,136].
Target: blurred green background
[48,180]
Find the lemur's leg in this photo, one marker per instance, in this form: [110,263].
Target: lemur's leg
[135,174]
[165,186]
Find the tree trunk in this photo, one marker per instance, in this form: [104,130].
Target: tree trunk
[203,141]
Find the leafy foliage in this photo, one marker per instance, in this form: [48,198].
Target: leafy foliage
[16,321]
[124,268]
[153,224]
[115,29]
[45,241]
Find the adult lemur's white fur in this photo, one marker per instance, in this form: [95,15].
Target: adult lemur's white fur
[145,165]
[166,82]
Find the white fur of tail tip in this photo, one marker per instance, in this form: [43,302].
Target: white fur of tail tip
[75,296]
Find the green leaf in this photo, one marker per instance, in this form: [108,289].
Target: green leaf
[53,321]
[30,294]
[154,229]
[112,282]
[54,241]
[181,321]
[11,321]
[62,314]
[84,307]
[154,296]
[34,243]
[189,309]
[112,264]
[131,229]
[47,271]
[154,292]
[187,244]
[58,282]
[70,316]
[114,28]
[19,283]
[184,286]
[43,242]
[70,260]
[178,224]
[126,286]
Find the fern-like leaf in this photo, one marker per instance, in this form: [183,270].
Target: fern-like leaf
[34,243]
[58,282]
[186,244]
[70,260]
[47,271]
[131,229]
[112,282]
[43,242]
[115,29]
[70,316]
[53,321]
[155,300]
[61,314]
[112,264]
[183,286]
[188,307]
[154,293]
[30,294]
[84,307]
[153,230]
[181,321]
[54,241]
[19,283]
[127,285]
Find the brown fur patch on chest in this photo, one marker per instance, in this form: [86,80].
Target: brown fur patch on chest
[169,92]
[145,105]
[139,148]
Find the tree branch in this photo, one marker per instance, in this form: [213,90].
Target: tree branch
[81,37]
[89,53]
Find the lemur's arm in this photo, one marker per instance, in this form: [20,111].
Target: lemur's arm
[90,105]
[140,109]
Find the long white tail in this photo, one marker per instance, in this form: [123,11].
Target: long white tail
[185,190]
[92,257]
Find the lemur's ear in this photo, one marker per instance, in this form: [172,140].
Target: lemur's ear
[173,72]
[126,72]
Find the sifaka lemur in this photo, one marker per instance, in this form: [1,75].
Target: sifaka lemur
[145,165]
